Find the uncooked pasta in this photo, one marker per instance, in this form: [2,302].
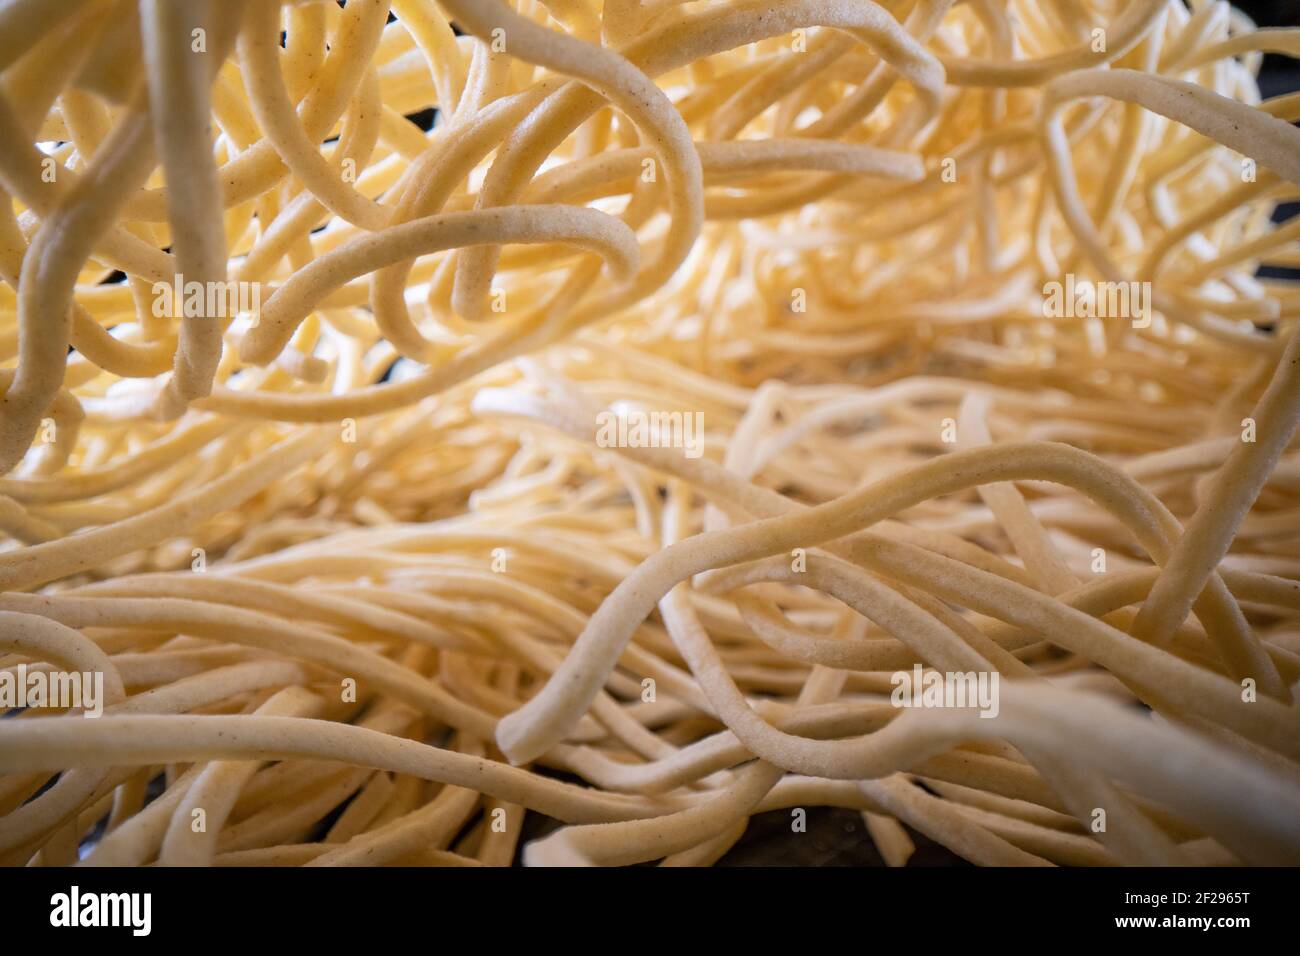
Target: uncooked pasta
[472,432]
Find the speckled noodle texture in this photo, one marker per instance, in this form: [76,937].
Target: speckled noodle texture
[606,432]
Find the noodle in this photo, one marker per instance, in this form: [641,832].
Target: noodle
[702,386]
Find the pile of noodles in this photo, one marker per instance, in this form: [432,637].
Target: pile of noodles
[367,581]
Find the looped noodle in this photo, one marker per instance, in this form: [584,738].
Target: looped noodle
[420,414]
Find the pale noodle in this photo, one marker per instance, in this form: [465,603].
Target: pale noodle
[364,541]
